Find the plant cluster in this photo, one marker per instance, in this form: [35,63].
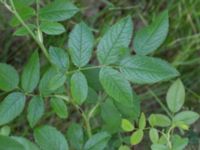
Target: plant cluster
[101,93]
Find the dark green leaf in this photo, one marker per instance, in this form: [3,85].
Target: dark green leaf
[147,70]
[9,78]
[31,73]
[49,138]
[58,10]
[56,81]
[35,110]
[79,87]
[22,31]
[80,44]
[151,37]
[118,36]
[11,107]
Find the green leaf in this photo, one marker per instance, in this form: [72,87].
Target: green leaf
[151,37]
[5,130]
[142,121]
[137,137]
[59,58]
[127,125]
[56,81]
[22,31]
[24,11]
[31,73]
[11,107]
[35,110]
[153,135]
[146,70]
[159,147]
[79,87]
[110,116]
[159,120]
[124,147]
[9,78]
[28,145]
[75,136]
[97,142]
[59,107]
[116,86]
[48,137]
[187,117]
[58,10]
[26,2]
[118,36]
[179,143]
[8,143]
[52,28]
[81,44]
[176,96]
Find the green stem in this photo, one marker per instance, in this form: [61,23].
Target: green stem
[160,102]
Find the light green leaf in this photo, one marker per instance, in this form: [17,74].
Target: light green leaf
[187,117]
[153,135]
[118,36]
[127,125]
[137,137]
[49,138]
[22,31]
[116,86]
[58,10]
[35,110]
[9,78]
[56,81]
[52,28]
[97,142]
[28,145]
[31,73]
[179,143]
[142,121]
[159,120]
[176,96]
[59,107]
[80,44]
[5,130]
[124,147]
[151,37]
[159,147]
[79,87]
[75,136]
[147,70]
[59,58]
[110,116]
[8,143]
[11,107]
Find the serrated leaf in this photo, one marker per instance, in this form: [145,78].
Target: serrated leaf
[31,73]
[146,70]
[75,136]
[153,135]
[118,36]
[52,28]
[22,31]
[58,10]
[56,81]
[116,86]
[59,58]
[11,107]
[59,107]
[8,143]
[127,125]
[159,120]
[35,110]
[136,137]
[9,77]
[151,37]
[48,137]
[97,142]
[142,121]
[28,145]
[110,116]
[80,44]
[79,87]
[176,96]
[187,117]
